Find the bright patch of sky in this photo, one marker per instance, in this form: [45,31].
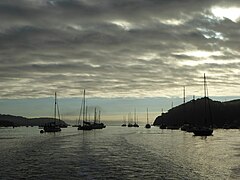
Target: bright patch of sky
[232,13]
[76,27]
[93,65]
[148,56]
[208,61]
[200,54]
[207,33]
[123,24]
[173,22]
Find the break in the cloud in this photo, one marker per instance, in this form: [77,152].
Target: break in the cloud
[127,48]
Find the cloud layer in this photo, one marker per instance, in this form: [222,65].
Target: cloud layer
[136,48]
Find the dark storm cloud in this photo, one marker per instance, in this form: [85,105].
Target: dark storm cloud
[114,48]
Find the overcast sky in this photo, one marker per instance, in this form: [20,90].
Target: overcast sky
[118,48]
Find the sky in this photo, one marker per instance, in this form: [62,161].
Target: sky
[127,54]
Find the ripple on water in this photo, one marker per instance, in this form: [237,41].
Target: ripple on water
[115,153]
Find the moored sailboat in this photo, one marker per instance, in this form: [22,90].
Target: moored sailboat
[97,125]
[147,125]
[53,126]
[85,125]
[206,128]
[130,120]
[124,121]
[135,119]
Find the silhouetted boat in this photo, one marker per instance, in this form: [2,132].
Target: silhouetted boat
[187,127]
[85,125]
[202,131]
[130,125]
[163,126]
[53,126]
[124,122]
[147,125]
[205,129]
[135,119]
[135,125]
[129,120]
[97,125]
[63,125]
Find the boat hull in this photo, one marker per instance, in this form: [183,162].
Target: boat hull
[163,126]
[187,128]
[52,129]
[147,126]
[130,125]
[85,128]
[135,125]
[98,125]
[203,131]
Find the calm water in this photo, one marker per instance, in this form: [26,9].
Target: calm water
[118,153]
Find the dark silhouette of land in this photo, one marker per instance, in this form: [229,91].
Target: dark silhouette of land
[10,120]
[221,114]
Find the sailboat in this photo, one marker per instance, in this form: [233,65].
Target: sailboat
[147,125]
[163,125]
[53,126]
[135,119]
[187,127]
[85,125]
[205,129]
[129,120]
[124,122]
[97,125]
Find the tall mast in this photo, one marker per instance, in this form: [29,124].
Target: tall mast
[147,116]
[55,107]
[59,117]
[184,96]
[205,98]
[207,103]
[135,115]
[205,92]
[99,115]
[80,114]
[84,108]
[205,85]
[86,117]
[95,115]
